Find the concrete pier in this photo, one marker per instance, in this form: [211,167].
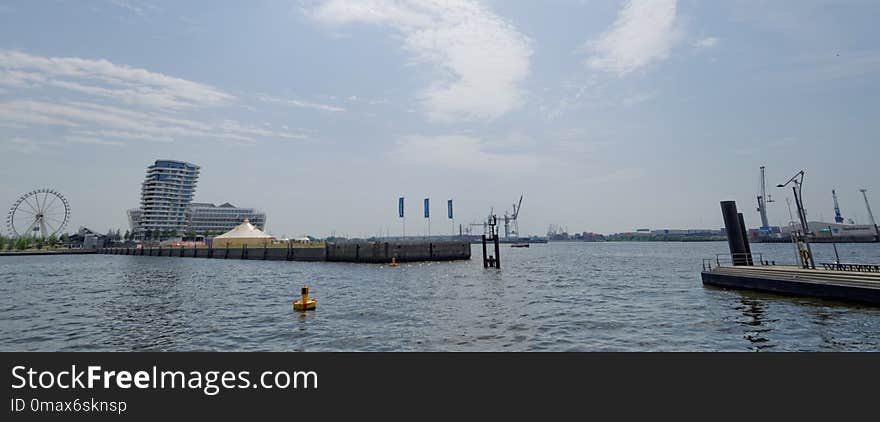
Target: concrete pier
[403,251]
[49,252]
[853,286]
[360,252]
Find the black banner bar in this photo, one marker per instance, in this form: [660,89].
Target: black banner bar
[418,385]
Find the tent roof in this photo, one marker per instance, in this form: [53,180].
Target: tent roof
[245,230]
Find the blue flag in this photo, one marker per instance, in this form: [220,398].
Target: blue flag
[449,208]
[427,210]
[400,207]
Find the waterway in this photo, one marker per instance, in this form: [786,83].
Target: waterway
[613,296]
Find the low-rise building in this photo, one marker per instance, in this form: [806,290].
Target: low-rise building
[216,219]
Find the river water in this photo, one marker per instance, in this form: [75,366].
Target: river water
[614,296]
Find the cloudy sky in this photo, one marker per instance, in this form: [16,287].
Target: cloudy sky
[607,115]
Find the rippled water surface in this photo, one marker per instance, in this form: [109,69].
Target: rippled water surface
[556,297]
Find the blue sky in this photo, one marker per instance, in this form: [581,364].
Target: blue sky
[607,115]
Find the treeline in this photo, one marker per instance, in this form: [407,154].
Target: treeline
[30,242]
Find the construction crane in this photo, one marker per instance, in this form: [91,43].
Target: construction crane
[763,199]
[837,217]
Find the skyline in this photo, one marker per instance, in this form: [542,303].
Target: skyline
[607,116]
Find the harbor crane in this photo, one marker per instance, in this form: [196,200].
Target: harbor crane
[837,217]
[763,199]
[870,214]
[511,227]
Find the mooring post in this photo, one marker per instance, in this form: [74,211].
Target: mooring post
[734,233]
[745,236]
[485,258]
[497,252]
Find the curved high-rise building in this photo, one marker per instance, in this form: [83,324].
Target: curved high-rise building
[166,194]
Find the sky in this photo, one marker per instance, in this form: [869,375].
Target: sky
[607,116]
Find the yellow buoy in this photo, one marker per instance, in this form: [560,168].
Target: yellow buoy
[305,304]
[393,262]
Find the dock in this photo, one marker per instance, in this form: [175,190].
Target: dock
[742,269]
[851,286]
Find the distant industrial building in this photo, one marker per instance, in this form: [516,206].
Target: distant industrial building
[839,232]
[167,209]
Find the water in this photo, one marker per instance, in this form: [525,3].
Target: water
[618,296]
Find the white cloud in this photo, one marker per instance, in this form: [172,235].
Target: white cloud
[644,33]
[120,134]
[104,79]
[11,125]
[479,58]
[459,152]
[93,141]
[638,98]
[99,102]
[299,103]
[709,42]
[131,124]
[137,7]
[27,145]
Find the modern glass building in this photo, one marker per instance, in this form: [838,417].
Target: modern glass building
[218,219]
[166,194]
[167,209]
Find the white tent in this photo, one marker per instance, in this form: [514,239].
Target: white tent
[243,234]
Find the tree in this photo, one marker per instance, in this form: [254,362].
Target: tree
[191,234]
[2,241]
[156,234]
[127,235]
[65,238]
[52,241]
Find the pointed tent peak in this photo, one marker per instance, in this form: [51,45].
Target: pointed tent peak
[245,230]
[226,205]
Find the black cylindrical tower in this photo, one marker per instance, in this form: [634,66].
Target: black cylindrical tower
[745,237]
[734,233]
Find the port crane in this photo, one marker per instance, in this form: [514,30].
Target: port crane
[868,206]
[511,225]
[837,217]
[763,200]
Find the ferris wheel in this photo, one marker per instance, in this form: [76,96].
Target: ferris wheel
[39,213]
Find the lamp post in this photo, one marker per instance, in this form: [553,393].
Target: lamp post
[798,180]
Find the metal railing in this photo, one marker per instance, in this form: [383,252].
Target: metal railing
[729,260]
[862,268]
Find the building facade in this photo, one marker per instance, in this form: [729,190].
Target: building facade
[216,219]
[167,209]
[166,194]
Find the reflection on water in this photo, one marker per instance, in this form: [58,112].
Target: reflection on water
[613,296]
[757,327]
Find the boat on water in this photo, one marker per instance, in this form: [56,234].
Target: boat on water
[519,245]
